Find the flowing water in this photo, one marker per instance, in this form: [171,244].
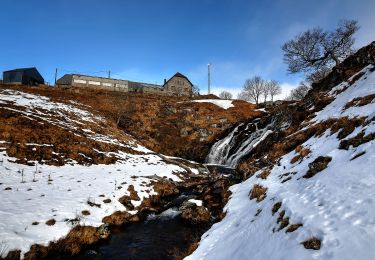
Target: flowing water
[165,236]
[162,236]
[240,142]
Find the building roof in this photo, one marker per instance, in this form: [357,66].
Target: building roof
[178,74]
[21,69]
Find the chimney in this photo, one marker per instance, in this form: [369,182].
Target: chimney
[165,81]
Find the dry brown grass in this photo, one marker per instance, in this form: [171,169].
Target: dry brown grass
[264,174]
[293,227]
[118,218]
[85,212]
[312,243]
[51,222]
[360,101]
[276,207]
[133,193]
[258,192]
[356,141]
[318,165]
[156,121]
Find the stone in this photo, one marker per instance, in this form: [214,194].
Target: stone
[193,214]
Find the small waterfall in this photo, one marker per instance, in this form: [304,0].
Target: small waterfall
[240,142]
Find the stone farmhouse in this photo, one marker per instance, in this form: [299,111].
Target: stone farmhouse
[177,85]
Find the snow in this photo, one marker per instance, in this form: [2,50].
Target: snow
[361,88]
[337,205]
[67,194]
[199,203]
[223,103]
[36,194]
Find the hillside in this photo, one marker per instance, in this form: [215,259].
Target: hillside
[69,167]
[174,126]
[309,190]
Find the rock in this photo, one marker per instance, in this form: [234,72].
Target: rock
[318,165]
[104,231]
[203,132]
[312,243]
[193,214]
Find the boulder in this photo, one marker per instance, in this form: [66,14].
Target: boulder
[193,214]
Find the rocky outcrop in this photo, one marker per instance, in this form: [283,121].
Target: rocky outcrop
[193,214]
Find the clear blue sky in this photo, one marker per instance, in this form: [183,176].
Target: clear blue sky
[151,40]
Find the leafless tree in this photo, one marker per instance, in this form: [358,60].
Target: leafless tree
[274,89]
[299,92]
[266,91]
[252,89]
[318,75]
[225,95]
[315,49]
[195,90]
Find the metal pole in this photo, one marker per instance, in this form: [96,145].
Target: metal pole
[109,74]
[209,78]
[55,76]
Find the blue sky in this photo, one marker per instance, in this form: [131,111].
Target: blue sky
[151,40]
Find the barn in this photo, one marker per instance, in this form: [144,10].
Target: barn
[25,76]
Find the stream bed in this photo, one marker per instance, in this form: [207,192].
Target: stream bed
[161,236]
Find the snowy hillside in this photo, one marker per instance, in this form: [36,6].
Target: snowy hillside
[41,202]
[318,202]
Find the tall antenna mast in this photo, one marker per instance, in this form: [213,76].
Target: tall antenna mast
[209,78]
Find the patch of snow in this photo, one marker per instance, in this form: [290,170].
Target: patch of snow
[199,203]
[61,193]
[223,103]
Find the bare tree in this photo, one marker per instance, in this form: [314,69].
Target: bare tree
[225,95]
[195,90]
[299,92]
[314,49]
[274,89]
[266,91]
[318,75]
[252,89]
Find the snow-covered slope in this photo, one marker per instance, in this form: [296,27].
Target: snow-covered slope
[72,194]
[320,196]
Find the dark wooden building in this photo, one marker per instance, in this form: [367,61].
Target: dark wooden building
[25,76]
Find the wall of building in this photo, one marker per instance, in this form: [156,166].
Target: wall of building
[178,86]
[94,82]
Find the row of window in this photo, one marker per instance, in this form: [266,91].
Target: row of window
[98,83]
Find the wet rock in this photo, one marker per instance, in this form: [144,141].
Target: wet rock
[193,214]
[103,231]
[318,165]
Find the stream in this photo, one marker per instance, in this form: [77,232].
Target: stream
[159,236]
[166,235]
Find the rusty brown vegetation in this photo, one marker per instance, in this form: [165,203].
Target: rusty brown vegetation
[170,125]
[312,243]
[360,101]
[258,192]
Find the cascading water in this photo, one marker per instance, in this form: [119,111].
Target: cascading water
[240,142]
